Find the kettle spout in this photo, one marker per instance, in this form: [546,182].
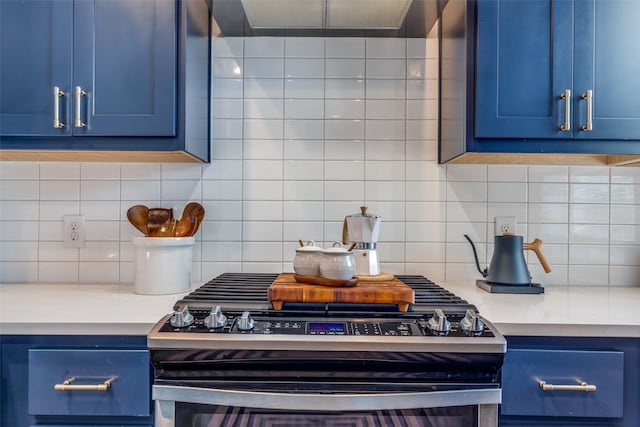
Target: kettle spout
[484,272]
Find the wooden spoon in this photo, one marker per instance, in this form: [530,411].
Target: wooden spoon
[138,216]
[190,221]
[157,218]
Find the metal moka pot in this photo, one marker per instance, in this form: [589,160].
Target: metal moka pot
[362,230]
[508,266]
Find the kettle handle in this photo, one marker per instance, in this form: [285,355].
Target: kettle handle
[535,247]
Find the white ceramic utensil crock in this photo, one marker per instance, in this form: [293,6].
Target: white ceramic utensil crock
[337,263]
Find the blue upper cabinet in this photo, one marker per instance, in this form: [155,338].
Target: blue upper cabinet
[34,63]
[557,69]
[540,77]
[105,80]
[107,69]
[524,65]
[607,64]
[124,67]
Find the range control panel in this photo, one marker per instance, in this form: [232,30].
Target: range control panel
[217,322]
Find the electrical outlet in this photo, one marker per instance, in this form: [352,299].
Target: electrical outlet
[74,231]
[505,225]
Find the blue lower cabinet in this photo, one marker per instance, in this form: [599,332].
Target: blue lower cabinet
[75,381]
[571,382]
[89,382]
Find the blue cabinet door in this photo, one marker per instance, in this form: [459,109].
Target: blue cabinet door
[607,63]
[125,64]
[524,64]
[35,56]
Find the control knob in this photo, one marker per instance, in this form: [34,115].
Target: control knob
[181,317]
[471,323]
[439,323]
[215,319]
[245,322]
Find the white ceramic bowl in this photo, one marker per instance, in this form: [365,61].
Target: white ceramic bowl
[337,263]
[307,260]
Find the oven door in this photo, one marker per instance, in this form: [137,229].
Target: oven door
[302,405]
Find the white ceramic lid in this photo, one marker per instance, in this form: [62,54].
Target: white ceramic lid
[336,249]
[309,247]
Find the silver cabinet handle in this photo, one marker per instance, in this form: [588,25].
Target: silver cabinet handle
[588,95]
[57,93]
[566,95]
[67,386]
[79,94]
[581,386]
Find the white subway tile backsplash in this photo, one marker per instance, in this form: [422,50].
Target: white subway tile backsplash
[304,132]
[344,109]
[548,174]
[304,68]
[344,129]
[19,190]
[263,67]
[384,190]
[345,68]
[386,68]
[344,150]
[181,190]
[345,48]
[261,47]
[343,190]
[263,108]
[303,129]
[19,171]
[344,88]
[227,46]
[264,128]
[304,88]
[589,193]
[99,190]
[381,109]
[263,88]
[507,192]
[304,109]
[625,193]
[227,67]
[384,150]
[226,109]
[548,193]
[422,89]
[304,47]
[386,48]
[262,149]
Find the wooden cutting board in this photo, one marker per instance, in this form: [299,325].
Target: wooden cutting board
[286,289]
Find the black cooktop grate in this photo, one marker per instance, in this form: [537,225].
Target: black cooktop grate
[250,290]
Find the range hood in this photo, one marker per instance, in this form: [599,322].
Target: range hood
[341,18]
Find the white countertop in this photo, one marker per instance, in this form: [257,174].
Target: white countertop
[77,309]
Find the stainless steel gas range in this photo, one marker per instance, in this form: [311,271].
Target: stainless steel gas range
[225,357]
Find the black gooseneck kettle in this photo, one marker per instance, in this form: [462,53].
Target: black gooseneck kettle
[508,266]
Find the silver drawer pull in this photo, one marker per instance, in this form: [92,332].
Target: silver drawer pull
[581,386]
[67,386]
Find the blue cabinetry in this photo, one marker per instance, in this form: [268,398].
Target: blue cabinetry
[588,382]
[540,76]
[105,75]
[75,380]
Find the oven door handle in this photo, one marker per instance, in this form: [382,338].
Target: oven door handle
[327,402]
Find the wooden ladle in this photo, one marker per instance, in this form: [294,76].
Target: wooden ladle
[158,221]
[138,216]
[189,222]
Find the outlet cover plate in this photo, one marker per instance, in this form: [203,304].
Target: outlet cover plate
[74,231]
[505,225]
